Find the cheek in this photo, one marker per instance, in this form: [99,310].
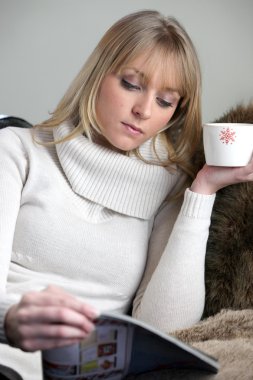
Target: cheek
[168,116]
[164,119]
[161,120]
[109,101]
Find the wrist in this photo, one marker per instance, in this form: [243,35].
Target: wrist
[201,186]
[202,189]
[8,328]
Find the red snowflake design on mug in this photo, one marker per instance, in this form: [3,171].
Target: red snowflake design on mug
[227,136]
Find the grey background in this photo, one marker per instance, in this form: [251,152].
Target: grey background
[43,44]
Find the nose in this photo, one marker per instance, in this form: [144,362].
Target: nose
[143,107]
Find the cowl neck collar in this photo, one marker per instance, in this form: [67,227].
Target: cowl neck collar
[124,184]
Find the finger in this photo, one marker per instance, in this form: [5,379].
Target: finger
[32,345]
[46,297]
[59,299]
[52,331]
[66,299]
[245,173]
[90,311]
[54,314]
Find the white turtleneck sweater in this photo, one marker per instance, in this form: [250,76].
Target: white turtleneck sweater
[92,221]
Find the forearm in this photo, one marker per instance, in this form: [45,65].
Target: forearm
[13,171]
[174,295]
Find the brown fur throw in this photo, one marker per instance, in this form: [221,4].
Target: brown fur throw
[227,336]
[229,258]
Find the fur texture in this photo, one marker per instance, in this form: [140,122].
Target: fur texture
[227,336]
[229,258]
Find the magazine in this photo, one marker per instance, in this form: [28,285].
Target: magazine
[120,346]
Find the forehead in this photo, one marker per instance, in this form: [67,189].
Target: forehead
[157,68]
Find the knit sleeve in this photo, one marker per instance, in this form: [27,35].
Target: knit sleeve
[172,292]
[13,168]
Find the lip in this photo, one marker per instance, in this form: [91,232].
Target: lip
[132,128]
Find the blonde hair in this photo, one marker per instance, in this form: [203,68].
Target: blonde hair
[131,36]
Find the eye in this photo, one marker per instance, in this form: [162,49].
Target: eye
[163,103]
[128,85]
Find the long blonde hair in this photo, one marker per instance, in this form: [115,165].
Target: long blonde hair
[129,37]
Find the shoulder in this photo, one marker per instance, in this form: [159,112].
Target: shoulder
[15,134]
[13,153]
[15,143]
[20,146]
[28,138]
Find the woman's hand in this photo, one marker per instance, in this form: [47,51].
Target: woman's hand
[48,319]
[212,178]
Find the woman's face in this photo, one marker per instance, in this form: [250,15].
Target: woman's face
[131,109]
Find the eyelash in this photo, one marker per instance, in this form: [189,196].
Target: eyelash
[129,86]
[163,103]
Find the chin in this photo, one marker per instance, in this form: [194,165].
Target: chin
[124,148]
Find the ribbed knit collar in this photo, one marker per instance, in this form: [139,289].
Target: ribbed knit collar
[124,184]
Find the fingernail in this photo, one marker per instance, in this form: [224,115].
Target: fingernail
[94,312]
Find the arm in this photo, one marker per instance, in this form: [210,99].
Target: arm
[13,169]
[171,294]
[42,319]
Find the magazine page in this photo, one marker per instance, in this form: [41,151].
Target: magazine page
[153,350]
[120,346]
[105,354]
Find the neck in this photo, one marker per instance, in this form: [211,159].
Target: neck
[99,139]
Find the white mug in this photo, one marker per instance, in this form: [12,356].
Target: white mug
[228,144]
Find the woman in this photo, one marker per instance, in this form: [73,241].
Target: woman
[91,210]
